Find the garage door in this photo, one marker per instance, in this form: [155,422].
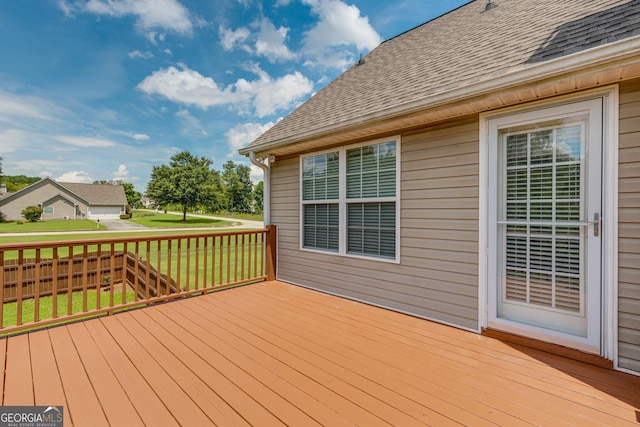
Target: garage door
[106,212]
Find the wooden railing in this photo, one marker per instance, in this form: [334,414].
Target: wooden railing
[51,282]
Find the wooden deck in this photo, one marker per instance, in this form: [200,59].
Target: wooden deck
[274,354]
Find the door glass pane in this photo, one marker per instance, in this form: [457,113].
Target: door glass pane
[542,205]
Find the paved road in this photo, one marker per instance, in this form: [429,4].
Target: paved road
[118,225]
[122,225]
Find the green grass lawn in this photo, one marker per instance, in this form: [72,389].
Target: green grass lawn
[196,271]
[154,219]
[9,314]
[30,238]
[50,225]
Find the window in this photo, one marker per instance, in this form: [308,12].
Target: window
[320,185]
[47,210]
[349,200]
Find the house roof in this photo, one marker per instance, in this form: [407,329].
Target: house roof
[466,47]
[98,194]
[92,194]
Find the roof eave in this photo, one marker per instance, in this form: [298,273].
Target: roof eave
[616,52]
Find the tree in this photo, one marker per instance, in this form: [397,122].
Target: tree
[187,181]
[133,196]
[258,197]
[238,187]
[32,213]
[18,182]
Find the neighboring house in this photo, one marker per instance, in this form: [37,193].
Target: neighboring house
[481,170]
[66,200]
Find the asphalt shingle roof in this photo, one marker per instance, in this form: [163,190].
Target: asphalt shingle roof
[463,47]
[98,194]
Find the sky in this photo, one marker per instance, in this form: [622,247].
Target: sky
[106,89]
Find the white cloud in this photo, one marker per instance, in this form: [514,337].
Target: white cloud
[270,42]
[243,134]
[256,174]
[28,107]
[265,95]
[13,139]
[138,54]
[186,86]
[270,95]
[232,38]
[169,15]
[122,174]
[140,137]
[75,176]
[340,26]
[84,141]
[190,122]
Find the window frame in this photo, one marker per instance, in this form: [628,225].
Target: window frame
[343,201]
[44,210]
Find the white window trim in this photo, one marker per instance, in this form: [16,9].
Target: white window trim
[342,201]
[610,97]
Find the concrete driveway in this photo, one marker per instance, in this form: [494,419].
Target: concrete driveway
[122,225]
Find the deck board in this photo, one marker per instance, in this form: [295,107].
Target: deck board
[18,387]
[273,354]
[83,405]
[46,378]
[494,375]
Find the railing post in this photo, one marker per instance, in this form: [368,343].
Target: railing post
[271,252]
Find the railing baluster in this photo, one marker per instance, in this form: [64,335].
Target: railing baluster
[36,289]
[255,254]
[99,276]
[112,271]
[205,251]
[221,252]
[215,260]
[85,275]
[2,289]
[243,275]
[123,273]
[228,258]
[19,288]
[235,264]
[136,271]
[167,286]
[54,278]
[147,268]
[188,263]
[69,280]
[158,269]
[263,268]
[178,270]
[196,281]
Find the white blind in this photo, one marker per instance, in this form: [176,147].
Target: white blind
[321,226]
[372,229]
[321,177]
[371,171]
[542,210]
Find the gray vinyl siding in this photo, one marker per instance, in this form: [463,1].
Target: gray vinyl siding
[62,208]
[34,196]
[629,228]
[437,276]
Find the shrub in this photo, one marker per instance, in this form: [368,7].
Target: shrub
[3,218]
[124,216]
[32,213]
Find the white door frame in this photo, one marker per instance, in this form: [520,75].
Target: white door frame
[609,214]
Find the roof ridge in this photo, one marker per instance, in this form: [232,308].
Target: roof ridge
[427,22]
